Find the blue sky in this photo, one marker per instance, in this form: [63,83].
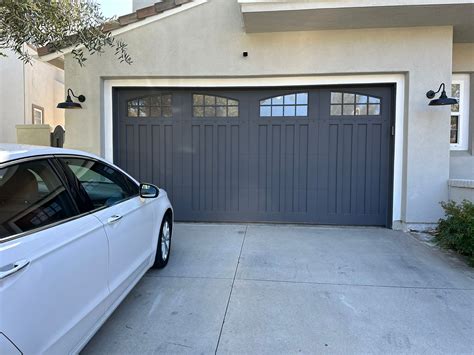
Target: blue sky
[115,7]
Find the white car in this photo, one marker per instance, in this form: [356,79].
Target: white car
[76,234]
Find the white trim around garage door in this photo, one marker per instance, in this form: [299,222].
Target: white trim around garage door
[397,79]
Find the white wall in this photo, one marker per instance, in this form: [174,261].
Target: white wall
[44,86]
[11,97]
[208,41]
[462,162]
[21,86]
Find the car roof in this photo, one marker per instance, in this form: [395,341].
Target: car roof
[10,152]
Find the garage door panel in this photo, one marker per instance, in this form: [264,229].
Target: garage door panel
[319,167]
[213,168]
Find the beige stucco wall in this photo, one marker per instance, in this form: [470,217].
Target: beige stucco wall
[23,85]
[44,86]
[463,57]
[208,41]
[12,110]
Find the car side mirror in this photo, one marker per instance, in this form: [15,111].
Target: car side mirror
[149,191]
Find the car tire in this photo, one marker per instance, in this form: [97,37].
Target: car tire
[163,248]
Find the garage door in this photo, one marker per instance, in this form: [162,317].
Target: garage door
[304,155]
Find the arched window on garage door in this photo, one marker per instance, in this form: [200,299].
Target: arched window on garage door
[159,105]
[289,105]
[351,104]
[214,106]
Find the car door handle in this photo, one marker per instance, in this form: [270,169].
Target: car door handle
[114,218]
[10,269]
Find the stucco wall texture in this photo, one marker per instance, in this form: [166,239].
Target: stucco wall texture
[208,41]
[22,85]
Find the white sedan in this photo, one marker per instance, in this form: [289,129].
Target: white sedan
[76,234]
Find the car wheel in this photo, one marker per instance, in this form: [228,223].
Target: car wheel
[164,244]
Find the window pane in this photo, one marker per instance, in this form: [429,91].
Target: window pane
[143,111]
[145,101]
[209,100]
[456,90]
[265,111]
[454,130]
[232,102]
[155,112]
[209,111]
[277,110]
[361,99]
[348,110]
[221,101]
[277,100]
[302,99]
[266,102]
[198,100]
[349,98]
[104,185]
[374,100]
[31,196]
[132,112]
[155,100]
[166,100]
[374,110]
[361,110]
[133,103]
[233,111]
[198,111]
[290,99]
[289,111]
[336,110]
[336,98]
[302,110]
[455,108]
[221,111]
[167,111]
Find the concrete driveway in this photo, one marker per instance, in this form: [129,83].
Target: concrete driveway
[278,289]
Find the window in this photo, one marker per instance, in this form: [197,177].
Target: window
[32,196]
[104,185]
[460,112]
[214,106]
[290,105]
[350,104]
[37,114]
[150,106]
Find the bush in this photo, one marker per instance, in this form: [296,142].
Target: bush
[456,230]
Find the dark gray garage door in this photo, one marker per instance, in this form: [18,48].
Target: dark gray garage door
[309,155]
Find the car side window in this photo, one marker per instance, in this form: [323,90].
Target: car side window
[32,196]
[104,185]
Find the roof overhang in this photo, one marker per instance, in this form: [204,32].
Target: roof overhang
[312,15]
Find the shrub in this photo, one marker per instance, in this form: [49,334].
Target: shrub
[456,230]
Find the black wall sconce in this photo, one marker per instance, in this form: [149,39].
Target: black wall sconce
[68,104]
[443,98]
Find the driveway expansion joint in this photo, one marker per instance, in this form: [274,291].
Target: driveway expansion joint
[188,277]
[231,289]
[356,285]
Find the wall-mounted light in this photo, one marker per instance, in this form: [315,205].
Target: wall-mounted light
[68,104]
[443,98]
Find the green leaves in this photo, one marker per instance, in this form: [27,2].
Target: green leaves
[456,230]
[58,24]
